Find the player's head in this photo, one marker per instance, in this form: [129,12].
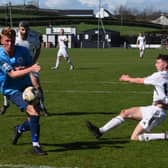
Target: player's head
[8,36]
[141,33]
[162,62]
[23,28]
[62,31]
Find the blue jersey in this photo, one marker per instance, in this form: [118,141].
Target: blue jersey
[21,57]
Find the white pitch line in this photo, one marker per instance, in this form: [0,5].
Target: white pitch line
[91,82]
[101,91]
[25,166]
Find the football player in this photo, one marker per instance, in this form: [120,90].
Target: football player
[148,116]
[16,67]
[62,52]
[29,39]
[141,42]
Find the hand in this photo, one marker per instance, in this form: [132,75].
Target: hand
[124,77]
[35,68]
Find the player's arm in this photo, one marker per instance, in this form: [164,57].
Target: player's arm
[37,54]
[21,72]
[137,42]
[35,80]
[38,49]
[127,78]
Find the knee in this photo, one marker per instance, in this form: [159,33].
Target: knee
[30,109]
[134,138]
[124,113]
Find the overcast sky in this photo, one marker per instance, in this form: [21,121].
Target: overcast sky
[94,4]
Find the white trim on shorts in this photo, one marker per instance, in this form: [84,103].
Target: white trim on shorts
[151,116]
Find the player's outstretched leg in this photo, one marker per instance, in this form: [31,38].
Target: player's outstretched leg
[94,129]
[98,132]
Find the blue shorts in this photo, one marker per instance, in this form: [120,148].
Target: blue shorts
[17,99]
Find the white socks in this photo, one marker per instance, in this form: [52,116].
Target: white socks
[141,54]
[69,61]
[114,122]
[151,136]
[36,144]
[57,62]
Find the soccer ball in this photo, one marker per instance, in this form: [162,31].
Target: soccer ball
[65,39]
[30,94]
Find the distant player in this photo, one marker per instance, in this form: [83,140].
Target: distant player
[62,52]
[148,116]
[141,42]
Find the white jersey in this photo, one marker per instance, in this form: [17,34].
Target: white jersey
[62,40]
[141,42]
[32,42]
[160,82]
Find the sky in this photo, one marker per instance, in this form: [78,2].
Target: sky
[110,5]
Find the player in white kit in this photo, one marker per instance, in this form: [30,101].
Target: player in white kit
[29,39]
[141,42]
[62,52]
[148,116]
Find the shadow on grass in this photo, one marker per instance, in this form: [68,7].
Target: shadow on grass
[87,68]
[22,115]
[86,145]
[81,113]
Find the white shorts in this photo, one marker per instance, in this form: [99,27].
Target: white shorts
[141,47]
[151,116]
[62,52]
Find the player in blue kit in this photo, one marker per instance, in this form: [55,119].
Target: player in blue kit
[29,39]
[16,73]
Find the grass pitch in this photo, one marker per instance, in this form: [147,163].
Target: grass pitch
[91,92]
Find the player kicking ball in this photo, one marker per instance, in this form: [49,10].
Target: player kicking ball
[16,70]
[29,39]
[148,116]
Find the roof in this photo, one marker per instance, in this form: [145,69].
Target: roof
[162,20]
[103,13]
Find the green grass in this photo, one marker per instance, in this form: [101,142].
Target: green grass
[124,30]
[91,92]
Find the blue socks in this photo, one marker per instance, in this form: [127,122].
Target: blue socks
[24,127]
[35,128]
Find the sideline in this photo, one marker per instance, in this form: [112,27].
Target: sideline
[26,166]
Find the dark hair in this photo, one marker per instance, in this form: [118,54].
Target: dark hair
[24,24]
[163,57]
[9,32]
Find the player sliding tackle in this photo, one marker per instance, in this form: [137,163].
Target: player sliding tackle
[148,116]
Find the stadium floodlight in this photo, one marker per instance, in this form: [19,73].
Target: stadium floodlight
[10,13]
[100,22]
[9,21]
[98,26]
